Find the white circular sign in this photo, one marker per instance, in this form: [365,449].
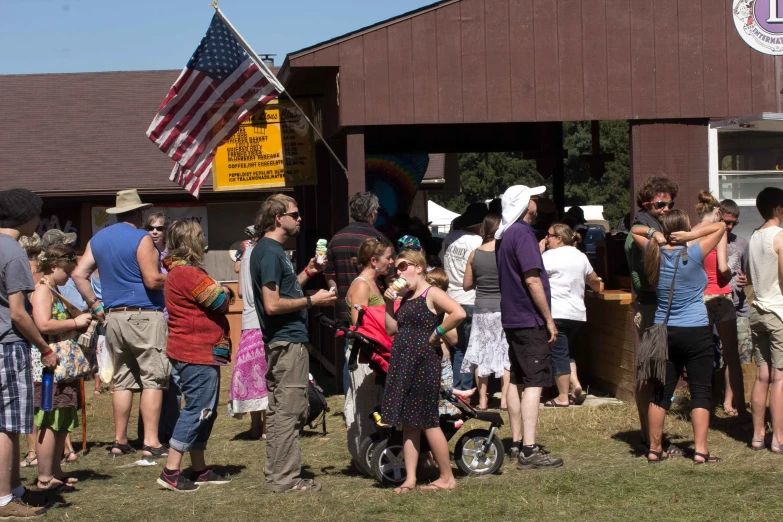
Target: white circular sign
[760,24]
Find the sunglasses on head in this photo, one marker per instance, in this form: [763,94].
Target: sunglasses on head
[150,228]
[403,266]
[660,205]
[294,215]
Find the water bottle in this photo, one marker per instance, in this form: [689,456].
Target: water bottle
[47,389]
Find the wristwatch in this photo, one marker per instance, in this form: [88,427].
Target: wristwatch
[309,302]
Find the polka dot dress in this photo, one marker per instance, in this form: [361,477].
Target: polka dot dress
[413,382]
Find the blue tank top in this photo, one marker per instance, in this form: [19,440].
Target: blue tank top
[114,249]
[687,305]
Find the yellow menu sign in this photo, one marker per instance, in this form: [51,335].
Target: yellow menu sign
[273,149]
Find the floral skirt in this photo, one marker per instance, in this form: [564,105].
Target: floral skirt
[487,347]
[248,380]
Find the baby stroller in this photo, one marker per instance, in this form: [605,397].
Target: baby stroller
[477,452]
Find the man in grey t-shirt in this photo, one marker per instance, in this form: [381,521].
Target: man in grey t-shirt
[20,212]
[738,264]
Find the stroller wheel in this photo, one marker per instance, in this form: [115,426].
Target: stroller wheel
[366,449]
[387,463]
[474,458]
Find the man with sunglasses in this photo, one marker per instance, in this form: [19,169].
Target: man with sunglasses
[282,307]
[737,249]
[654,200]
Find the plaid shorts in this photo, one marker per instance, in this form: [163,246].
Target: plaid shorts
[16,388]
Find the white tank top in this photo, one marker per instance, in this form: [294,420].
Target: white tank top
[763,263]
[249,316]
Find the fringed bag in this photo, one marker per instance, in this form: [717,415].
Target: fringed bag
[654,348]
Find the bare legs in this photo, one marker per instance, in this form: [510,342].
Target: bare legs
[151,403]
[50,450]
[197,462]
[122,403]
[644,391]
[514,401]
[258,424]
[440,450]
[575,384]
[758,402]
[563,386]
[700,418]
[30,459]
[482,388]
[734,399]
[8,456]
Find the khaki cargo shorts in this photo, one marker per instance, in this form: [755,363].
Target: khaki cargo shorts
[137,342]
[767,331]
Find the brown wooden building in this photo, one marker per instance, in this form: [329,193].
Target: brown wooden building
[455,76]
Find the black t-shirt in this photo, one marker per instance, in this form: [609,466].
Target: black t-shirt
[269,264]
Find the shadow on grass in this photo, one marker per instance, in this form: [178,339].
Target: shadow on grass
[225,471]
[246,435]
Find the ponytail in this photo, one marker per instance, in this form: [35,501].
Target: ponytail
[652,262]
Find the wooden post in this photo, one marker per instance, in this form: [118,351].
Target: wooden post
[356,166]
[83,402]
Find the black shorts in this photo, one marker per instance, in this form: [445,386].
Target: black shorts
[529,356]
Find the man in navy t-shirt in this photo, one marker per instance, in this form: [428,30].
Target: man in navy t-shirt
[525,312]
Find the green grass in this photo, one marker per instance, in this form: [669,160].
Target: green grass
[601,480]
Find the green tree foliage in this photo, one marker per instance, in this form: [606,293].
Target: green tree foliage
[485,175]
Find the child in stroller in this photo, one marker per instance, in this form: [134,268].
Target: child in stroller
[478,452]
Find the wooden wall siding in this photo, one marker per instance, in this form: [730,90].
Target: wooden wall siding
[679,150]
[604,350]
[477,61]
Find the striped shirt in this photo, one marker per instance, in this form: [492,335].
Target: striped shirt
[343,247]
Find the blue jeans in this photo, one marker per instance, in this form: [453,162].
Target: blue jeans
[462,381]
[561,354]
[200,384]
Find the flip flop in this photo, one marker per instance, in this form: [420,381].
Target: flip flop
[434,487]
[551,403]
[28,460]
[67,458]
[402,490]
[753,441]
[62,487]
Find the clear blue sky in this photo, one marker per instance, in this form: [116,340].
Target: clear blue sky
[55,36]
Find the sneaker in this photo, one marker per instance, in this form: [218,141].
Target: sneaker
[17,508]
[210,477]
[538,459]
[179,483]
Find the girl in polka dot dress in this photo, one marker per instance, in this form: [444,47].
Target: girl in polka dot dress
[412,386]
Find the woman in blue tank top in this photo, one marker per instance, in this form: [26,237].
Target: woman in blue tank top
[688,331]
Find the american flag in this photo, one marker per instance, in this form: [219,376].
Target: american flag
[218,89]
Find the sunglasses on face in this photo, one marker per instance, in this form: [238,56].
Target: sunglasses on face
[294,215]
[403,266]
[150,228]
[730,223]
[660,205]
[551,234]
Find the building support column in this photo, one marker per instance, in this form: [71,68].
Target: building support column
[355,156]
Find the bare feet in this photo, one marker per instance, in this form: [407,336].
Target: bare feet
[463,393]
[54,484]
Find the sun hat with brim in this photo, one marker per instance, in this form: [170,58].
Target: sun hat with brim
[514,203]
[57,237]
[474,215]
[127,200]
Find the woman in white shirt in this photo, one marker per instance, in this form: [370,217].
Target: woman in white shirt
[568,270]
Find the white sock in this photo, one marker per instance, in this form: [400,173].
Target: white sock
[4,501]
[19,491]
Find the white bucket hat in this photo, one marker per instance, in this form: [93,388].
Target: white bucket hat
[514,203]
[127,200]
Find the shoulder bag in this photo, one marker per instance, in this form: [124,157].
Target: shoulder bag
[654,347]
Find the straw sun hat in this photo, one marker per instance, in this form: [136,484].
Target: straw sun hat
[127,200]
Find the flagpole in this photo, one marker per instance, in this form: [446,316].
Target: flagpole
[274,80]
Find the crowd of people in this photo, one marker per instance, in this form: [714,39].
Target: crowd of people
[497,301]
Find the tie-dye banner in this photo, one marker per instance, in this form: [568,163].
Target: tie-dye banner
[394,178]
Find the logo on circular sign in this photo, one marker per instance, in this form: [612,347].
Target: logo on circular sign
[760,24]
